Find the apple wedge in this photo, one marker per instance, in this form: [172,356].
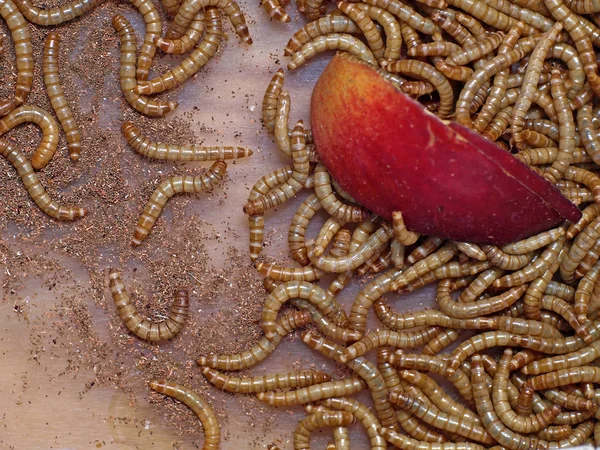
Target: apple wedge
[390,154]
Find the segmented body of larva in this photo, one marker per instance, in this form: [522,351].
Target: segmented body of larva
[57,97]
[320,420]
[189,8]
[367,26]
[168,188]
[188,41]
[127,72]
[32,114]
[144,328]
[204,412]
[193,63]
[297,230]
[324,324]
[319,27]
[401,234]
[172,152]
[337,388]
[21,38]
[56,16]
[269,103]
[171,6]
[335,207]
[275,10]
[35,188]
[282,273]
[263,348]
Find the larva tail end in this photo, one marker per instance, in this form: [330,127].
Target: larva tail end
[135,242]
[156,385]
[246,39]
[38,163]
[207,371]
[113,273]
[219,167]
[287,52]
[82,212]
[202,361]
[173,106]
[74,155]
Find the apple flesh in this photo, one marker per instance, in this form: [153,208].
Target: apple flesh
[390,154]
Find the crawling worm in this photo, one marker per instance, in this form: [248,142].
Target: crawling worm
[199,406]
[32,114]
[269,103]
[32,183]
[320,420]
[24,53]
[319,27]
[188,41]
[171,152]
[337,388]
[168,188]
[401,234]
[324,324]
[367,26]
[57,97]
[127,72]
[56,16]
[144,328]
[325,236]
[281,273]
[406,14]
[425,265]
[401,441]
[275,10]
[297,230]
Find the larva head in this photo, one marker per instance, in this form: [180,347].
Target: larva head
[390,154]
[130,131]
[157,385]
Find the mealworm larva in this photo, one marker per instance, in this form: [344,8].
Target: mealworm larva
[269,103]
[480,342]
[589,136]
[171,6]
[306,291]
[189,8]
[447,23]
[555,433]
[584,241]
[391,27]
[407,15]
[428,412]
[477,50]
[505,261]
[547,155]
[535,242]
[281,273]
[172,152]
[570,401]
[193,63]
[579,358]
[335,207]
[584,177]
[247,385]
[199,406]
[56,16]
[32,183]
[498,124]
[144,328]
[282,116]
[188,41]
[401,234]
[291,187]
[324,324]
[584,292]
[127,72]
[563,377]
[337,388]
[587,216]
[332,41]
[404,442]
[478,286]
[297,231]
[486,14]
[426,248]
[319,27]
[441,341]
[275,10]
[397,254]
[56,95]
[523,358]
[367,26]
[436,48]
[320,420]
[471,250]
[32,114]
[168,188]
[514,421]
[153,24]
[340,244]
[425,265]
[424,71]
[249,358]
[535,139]
[567,311]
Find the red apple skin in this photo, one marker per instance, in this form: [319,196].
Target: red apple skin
[390,154]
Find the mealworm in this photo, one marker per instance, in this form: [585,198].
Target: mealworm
[127,72]
[56,95]
[584,177]
[282,116]
[406,14]
[498,124]
[471,250]
[306,291]
[319,27]
[584,292]
[458,32]
[144,328]
[587,216]
[324,324]
[168,188]
[441,341]
[401,234]
[199,406]
[436,48]
[291,187]
[486,14]
[247,385]
[367,26]
[535,242]
[391,27]
[193,63]
[24,55]
[563,377]
[476,50]
[581,245]
[314,9]
[56,16]
[547,155]
[478,286]
[269,103]
[567,311]
[426,248]
[189,8]
[153,24]
[32,114]
[401,441]
[532,302]
[340,244]
[171,6]
[570,401]
[297,231]
[574,359]
[32,183]
[331,41]
[505,261]
[275,10]
[319,420]
[172,152]
[281,273]
[188,41]
[555,433]
[523,358]
[427,72]
[337,388]
[249,358]
[589,136]
[535,139]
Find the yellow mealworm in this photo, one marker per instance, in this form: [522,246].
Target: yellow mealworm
[391,27]
[480,342]
[585,178]
[337,388]
[404,442]
[168,188]
[436,48]
[535,139]
[447,23]
[326,233]
[478,286]
[259,352]
[555,433]
[247,385]
[32,183]
[428,412]
[504,260]
[575,359]
[567,311]
[401,234]
[365,369]
[269,103]
[476,51]
[441,341]
[397,254]
[523,358]
[471,250]
[56,16]
[193,63]
[171,6]
[127,72]
[144,328]
[367,26]
[172,152]
[313,9]
[570,401]
[547,155]
[153,24]
[281,273]
[297,231]
[32,114]
[320,420]
[427,247]
[331,41]
[453,269]
[306,291]
[188,41]
[587,216]
[335,207]
[581,245]
[589,136]
[340,244]
[23,52]
[199,406]
[535,242]
[189,8]
[291,187]
[324,324]
[406,14]
[486,14]
[563,377]
[584,293]
[275,10]
[319,27]
[56,95]
[282,116]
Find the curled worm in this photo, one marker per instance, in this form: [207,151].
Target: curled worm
[186,42]
[171,186]
[56,16]
[144,328]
